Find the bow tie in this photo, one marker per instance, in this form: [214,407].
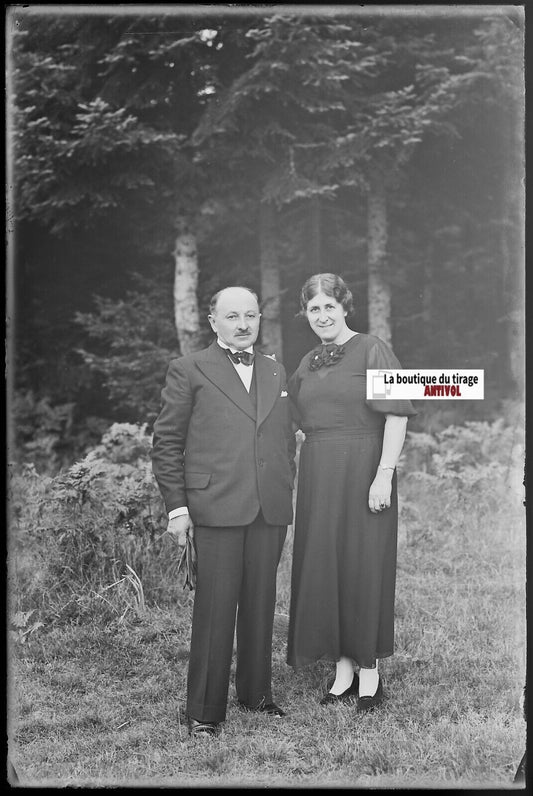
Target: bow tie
[242,357]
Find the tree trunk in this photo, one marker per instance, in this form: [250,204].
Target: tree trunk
[427,295]
[379,292]
[271,337]
[315,236]
[186,315]
[512,249]
[427,290]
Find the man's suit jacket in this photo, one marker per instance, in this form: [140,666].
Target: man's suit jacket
[217,453]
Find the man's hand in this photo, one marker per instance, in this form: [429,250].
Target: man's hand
[181,527]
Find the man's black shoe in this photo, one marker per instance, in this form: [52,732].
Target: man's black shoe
[202,727]
[265,707]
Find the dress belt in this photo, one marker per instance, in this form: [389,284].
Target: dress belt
[341,433]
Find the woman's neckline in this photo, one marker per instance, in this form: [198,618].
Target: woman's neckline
[355,334]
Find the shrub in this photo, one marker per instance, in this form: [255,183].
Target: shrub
[89,542]
[461,474]
[468,454]
[93,533]
[129,345]
[49,435]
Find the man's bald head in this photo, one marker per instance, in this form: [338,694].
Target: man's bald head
[234,316]
[216,296]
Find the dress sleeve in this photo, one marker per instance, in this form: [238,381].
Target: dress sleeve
[380,357]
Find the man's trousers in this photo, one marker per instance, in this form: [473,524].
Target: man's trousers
[236,574]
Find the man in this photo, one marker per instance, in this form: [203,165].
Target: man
[223,456]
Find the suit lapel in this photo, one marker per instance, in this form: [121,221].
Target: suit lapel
[268,380]
[219,370]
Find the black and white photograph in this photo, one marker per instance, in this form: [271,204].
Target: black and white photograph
[266,404]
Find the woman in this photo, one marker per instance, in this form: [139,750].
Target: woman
[344,557]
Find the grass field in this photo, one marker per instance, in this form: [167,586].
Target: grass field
[99,703]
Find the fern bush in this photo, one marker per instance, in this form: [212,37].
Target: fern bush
[466,454]
[129,344]
[460,475]
[27,554]
[49,435]
[88,541]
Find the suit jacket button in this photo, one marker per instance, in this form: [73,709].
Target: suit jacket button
[261,462]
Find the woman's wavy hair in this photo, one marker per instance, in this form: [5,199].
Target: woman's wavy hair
[331,285]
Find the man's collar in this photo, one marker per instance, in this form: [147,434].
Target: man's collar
[233,350]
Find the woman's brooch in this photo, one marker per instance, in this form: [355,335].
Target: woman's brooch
[325,355]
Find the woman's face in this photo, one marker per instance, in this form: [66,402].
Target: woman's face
[326,317]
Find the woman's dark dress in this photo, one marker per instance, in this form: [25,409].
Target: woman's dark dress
[344,556]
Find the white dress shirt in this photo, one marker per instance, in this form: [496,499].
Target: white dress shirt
[246,373]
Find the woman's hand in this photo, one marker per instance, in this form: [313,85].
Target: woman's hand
[379,494]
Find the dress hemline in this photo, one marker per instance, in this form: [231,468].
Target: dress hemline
[327,658]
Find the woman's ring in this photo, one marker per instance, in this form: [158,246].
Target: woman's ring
[382,505]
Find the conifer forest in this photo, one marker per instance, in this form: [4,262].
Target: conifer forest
[157,157]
